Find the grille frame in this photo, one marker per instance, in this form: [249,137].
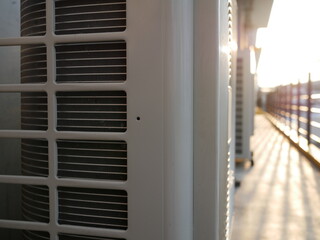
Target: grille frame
[144,86]
[44,81]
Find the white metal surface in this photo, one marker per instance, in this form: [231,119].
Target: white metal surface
[225,118]
[244,106]
[210,119]
[178,114]
[233,77]
[159,38]
[177,139]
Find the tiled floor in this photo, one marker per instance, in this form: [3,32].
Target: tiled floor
[279,198]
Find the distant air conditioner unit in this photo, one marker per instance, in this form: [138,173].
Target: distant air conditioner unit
[245,106]
[114,122]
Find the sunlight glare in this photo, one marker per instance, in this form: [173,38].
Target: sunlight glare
[291,48]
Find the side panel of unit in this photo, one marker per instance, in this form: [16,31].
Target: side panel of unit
[145,92]
[178,120]
[233,63]
[224,121]
[211,102]
[160,122]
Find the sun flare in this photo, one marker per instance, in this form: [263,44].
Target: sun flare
[290,46]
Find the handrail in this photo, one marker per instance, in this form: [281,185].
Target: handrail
[315,96]
[315,124]
[315,110]
[297,107]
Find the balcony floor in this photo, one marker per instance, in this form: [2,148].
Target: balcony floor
[279,198]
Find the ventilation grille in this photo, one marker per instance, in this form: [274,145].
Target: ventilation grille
[33,17]
[33,64]
[72,100]
[35,203]
[92,159]
[92,111]
[101,208]
[34,111]
[229,181]
[91,62]
[90,16]
[35,235]
[34,157]
[81,237]
[239,106]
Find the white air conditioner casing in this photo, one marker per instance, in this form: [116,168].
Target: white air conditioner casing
[175,129]
[233,37]
[211,120]
[245,105]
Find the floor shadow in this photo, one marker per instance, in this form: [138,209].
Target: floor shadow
[286,199]
[279,196]
[267,148]
[308,208]
[270,191]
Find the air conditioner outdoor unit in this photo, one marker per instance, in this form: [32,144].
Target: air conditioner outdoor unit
[113,119]
[245,106]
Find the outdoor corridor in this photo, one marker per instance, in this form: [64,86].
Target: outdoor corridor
[279,198]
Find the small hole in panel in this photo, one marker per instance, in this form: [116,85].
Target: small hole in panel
[138,118]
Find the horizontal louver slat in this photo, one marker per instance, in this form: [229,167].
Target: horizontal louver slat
[71,104]
[35,205]
[34,111]
[33,64]
[89,16]
[35,235]
[92,159]
[33,17]
[103,208]
[34,157]
[91,62]
[82,237]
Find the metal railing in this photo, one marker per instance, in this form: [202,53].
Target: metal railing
[295,110]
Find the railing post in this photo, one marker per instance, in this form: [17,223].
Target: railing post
[274,102]
[277,105]
[288,122]
[284,106]
[285,109]
[285,96]
[309,104]
[298,106]
[290,105]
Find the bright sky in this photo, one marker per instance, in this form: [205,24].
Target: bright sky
[292,47]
